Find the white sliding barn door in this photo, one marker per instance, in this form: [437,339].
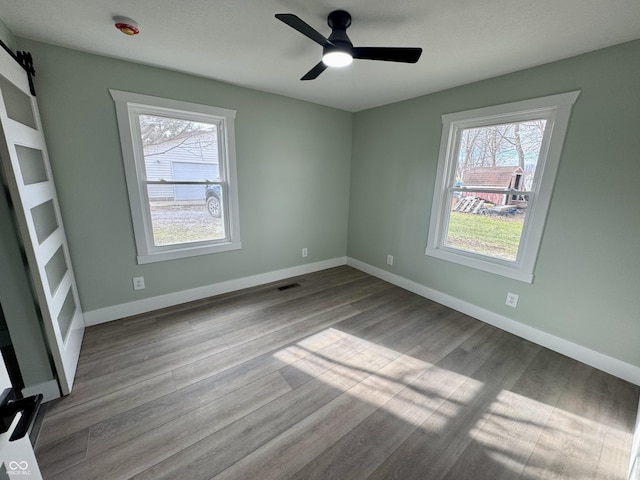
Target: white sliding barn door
[27,171]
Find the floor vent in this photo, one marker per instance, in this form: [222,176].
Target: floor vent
[287,287]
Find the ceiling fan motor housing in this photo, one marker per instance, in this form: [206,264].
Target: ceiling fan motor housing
[339,21]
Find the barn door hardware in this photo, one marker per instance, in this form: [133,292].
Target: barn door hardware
[25,60]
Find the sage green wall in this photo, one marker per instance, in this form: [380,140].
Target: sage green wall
[587,279]
[293,161]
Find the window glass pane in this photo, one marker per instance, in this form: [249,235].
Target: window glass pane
[483,228]
[493,157]
[181,150]
[499,156]
[31,165]
[44,220]
[65,317]
[189,220]
[176,149]
[17,103]
[56,268]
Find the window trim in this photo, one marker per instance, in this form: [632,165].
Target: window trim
[556,109]
[128,106]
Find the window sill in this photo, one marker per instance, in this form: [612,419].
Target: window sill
[470,260]
[185,252]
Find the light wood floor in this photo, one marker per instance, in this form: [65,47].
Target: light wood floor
[343,377]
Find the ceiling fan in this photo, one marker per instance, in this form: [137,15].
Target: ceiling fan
[338,51]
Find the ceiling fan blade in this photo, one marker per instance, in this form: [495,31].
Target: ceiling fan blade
[315,72]
[296,23]
[387,54]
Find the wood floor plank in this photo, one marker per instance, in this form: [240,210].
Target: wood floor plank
[100,345]
[374,326]
[357,454]
[385,299]
[140,453]
[617,424]
[437,445]
[202,355]
[132,423]
[239,311]
[304,370]
[147,351]
[400,331]
[108,338]
[321,301]
[58,456]
[93,388]
[505,436]
[218,452]
[343,376]
[613,462]
[209,365]
[456,329]
[484,340]
[66,422]
[572,443]
[284,455]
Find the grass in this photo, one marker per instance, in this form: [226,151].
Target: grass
[177,224]
[486,235]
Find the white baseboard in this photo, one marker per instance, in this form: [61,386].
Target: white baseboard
[107,314]
[626,371]
[49,390]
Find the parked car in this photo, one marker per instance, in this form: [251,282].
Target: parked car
[212,197]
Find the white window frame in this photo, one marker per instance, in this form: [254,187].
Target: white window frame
[556,110]
[128,107]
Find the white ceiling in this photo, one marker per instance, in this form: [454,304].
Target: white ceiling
[240,41]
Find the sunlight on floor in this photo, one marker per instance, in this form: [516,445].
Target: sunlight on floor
[510,429]
[412,390]
[515,424]
[514,432]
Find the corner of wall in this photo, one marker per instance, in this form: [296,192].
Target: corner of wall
[7,36]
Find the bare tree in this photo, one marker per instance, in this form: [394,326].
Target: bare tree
[516,144]
[162,134]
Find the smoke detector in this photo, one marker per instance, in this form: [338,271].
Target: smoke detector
[126,25]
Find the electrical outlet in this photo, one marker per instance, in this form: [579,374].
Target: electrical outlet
[305,252]
[512,300]
[138,283]
[389,259]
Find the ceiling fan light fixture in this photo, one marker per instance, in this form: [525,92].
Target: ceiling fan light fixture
[337,58]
